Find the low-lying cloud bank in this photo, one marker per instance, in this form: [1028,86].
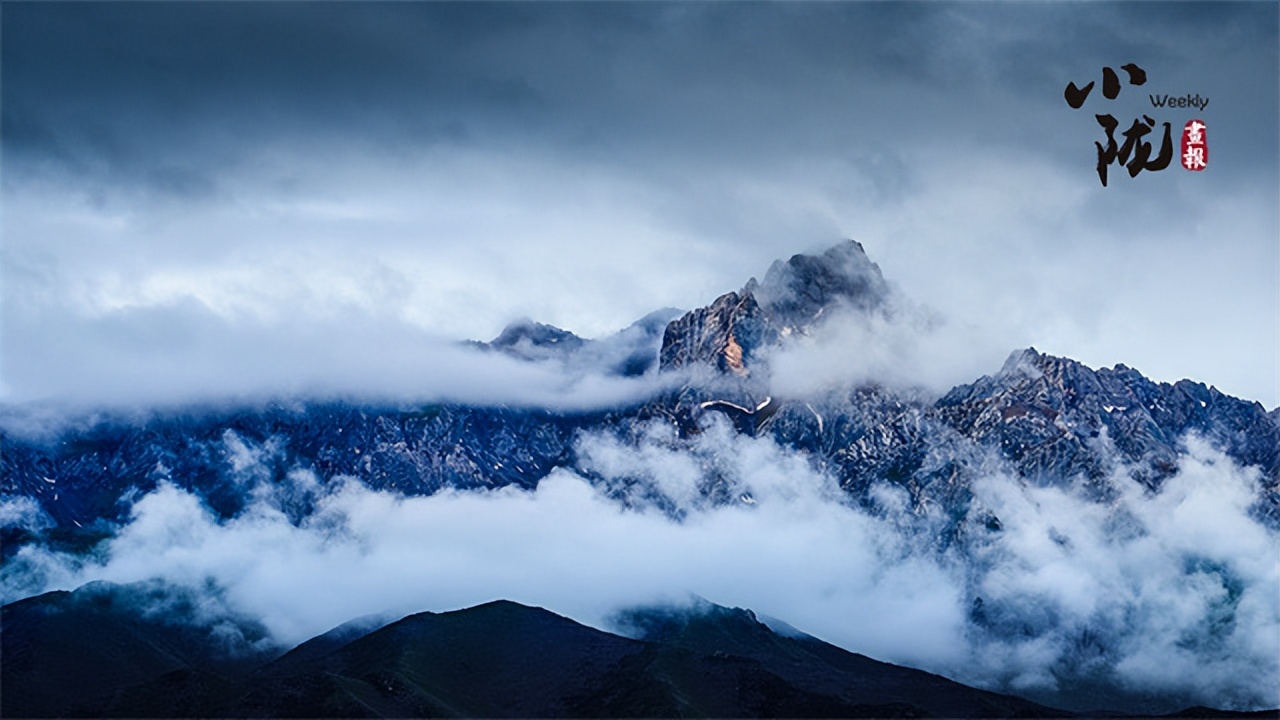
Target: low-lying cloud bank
[198,357]
[1170,595]
[195,356]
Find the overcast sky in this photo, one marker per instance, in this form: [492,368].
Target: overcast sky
[239,197]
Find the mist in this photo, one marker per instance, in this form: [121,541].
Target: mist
[194,356]
[307,179]
[1168,594]
[908,347]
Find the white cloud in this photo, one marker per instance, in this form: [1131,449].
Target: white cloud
[24,513]
[908,349]
[1177,588]
[1173,592]
[455,242]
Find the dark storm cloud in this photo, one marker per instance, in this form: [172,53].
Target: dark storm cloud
[165,92]
[271,68]
[586,163]
[117,87]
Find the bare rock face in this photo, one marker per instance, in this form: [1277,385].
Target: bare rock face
[794,296]
[726,334]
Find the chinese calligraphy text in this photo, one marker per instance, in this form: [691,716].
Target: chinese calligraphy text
[1195,146]
[1134,154]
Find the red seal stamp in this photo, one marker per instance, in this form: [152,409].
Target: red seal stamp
[1195,146]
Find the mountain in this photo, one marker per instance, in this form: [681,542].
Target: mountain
[792,299]
[1046,422]
[142,649]
[529,340]
[500,659]
[1048,419]
[631,352]
[98,651]
[798,675]
[1047,414]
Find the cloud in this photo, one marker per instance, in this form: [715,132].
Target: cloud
[140,358]
[566,546]
[1172,593]
[1167,595]
[908,348]
[359,262]
[23,513]
[454,168]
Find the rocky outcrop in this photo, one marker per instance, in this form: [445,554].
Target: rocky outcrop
[529,340]
[727,333]
[795,296]
[629,352]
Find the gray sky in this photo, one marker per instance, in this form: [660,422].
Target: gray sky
[203,199]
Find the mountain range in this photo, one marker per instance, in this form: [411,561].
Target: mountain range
[1046,419]
[1049,422]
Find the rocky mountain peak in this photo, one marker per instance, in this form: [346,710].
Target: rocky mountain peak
[798,291]
[1022,363]
[531,340]
[793,297]
[725,334]
[534,333]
